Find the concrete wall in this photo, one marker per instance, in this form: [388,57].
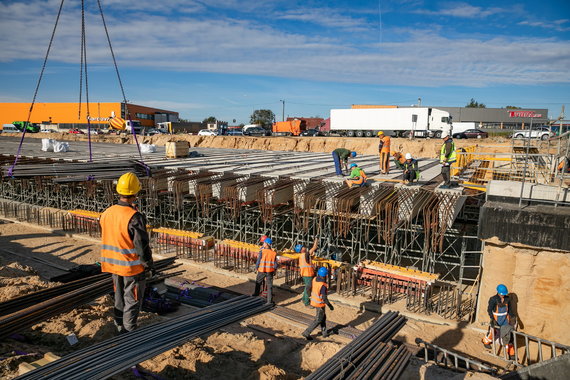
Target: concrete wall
[539,281]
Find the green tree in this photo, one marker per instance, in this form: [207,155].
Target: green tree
[263,117]
[512,108]
[210,119]
[474,104]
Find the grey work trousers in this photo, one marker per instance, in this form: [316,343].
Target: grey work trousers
[268,276]
[129,293]
[320,319]
[446,173]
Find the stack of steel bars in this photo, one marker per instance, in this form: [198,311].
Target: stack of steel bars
[78,171]
[28,310]
[115,355]
[369,356]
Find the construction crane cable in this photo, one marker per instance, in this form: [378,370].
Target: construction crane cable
[84,66]
[37,89]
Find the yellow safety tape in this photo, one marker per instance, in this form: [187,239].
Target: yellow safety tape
[182,233]
[86,213]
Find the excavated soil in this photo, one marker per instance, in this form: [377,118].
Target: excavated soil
[261,347]
[427,148]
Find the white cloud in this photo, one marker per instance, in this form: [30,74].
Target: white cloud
[156,42]
[327,17]
[462,10]
[555,25]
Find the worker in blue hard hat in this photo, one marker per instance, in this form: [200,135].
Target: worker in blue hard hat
[266,266]
[319,300]
[357,176]
[503,320]
[340,157]
[306,269]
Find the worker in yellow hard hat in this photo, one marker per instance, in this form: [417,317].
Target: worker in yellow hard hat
[126,253]
[384,151]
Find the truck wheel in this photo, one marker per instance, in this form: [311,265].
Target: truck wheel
[359,133]
[519,136]
[369,134]
[350,133]
[438,135]
[544,137]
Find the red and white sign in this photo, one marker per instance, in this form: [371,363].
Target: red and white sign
[524,114]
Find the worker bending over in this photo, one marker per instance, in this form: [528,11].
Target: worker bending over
[447,156]
[306,269]
[399,160]
[411,170]
[319,300]
[126,253]
[266,266]
[384,151]
[341,155]
[357,176]
[503,320]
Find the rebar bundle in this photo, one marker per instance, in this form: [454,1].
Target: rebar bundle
[369,356]
[115,355]
[33,308]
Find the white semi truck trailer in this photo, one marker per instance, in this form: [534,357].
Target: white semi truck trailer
[395,122]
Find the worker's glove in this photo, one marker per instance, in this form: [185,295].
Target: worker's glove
[150,273]
[331,307]
[494,323]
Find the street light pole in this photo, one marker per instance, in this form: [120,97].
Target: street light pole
[283,101]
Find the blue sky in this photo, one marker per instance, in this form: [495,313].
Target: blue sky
[226,58]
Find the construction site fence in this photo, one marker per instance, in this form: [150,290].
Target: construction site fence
[528,349]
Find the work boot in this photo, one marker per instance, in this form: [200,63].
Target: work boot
[325,333]
[487,346]
[444,187]
[307,336]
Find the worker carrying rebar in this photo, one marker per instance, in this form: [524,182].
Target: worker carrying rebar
[384,152]
[411,169]
[340,157]
[447,156]
[319,299]
[357,176]
[306,269]
[399,160]
[503,321]
[126,253]
[265,266]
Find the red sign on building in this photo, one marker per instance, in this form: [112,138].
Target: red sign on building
[524,114]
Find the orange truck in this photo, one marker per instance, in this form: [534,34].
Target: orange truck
[289,128]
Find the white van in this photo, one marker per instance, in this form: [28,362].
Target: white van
[9,128]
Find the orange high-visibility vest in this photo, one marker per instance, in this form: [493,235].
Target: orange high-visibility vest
[305,267]
[267,263]
[385,144]
[316,297]
[118,254]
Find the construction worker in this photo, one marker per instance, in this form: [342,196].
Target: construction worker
[447,156]
[502,320]
[319,300]
[266,266]
[399,160]
[564,163]
[357,176]
[126,253]
[306,269]
[384,151]
[411,170]
[341,155]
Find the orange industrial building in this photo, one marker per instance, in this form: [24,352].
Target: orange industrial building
[68,115]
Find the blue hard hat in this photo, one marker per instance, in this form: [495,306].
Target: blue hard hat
[353,165]
[268,241]
[502,290]
[298,248]
[353,154]
[322,272]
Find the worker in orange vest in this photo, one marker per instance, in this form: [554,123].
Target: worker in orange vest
[319,300]
[306,269]
[384,150]
[266,266]
[503,320]
[126,253]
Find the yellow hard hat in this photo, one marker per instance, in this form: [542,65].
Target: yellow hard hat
[380,133]
[128,184]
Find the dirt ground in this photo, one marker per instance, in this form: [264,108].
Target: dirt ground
[427,148]
[262,347]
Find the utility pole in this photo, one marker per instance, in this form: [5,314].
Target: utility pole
[419,102]
[283,101]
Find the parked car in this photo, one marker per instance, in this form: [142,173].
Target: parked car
[208,132]
[76,131]
[152,131]
[46,130]
[542,133]
[471,134]
[235,132]
[257,131]
[311,132]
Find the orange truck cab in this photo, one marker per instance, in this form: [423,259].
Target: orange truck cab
[289,128]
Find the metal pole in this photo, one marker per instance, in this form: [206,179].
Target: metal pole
[525,162]
[283,115]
